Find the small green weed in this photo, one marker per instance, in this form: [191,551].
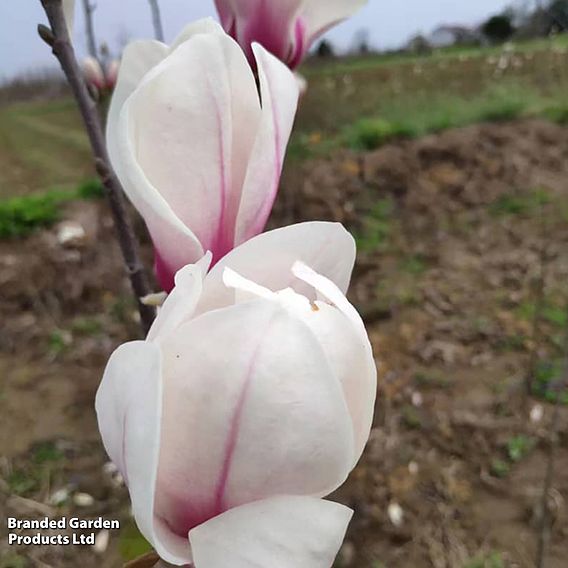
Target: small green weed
[519,204]
[19,216]
[500,468]
[131,542]
[376,226]
[46,452]
[492,560]
[415,265]
[518,447]
[546,378]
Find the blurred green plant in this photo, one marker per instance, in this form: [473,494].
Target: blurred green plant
[547,376]
[518,447]
[412,117]
[492,560]
[13,561]
[529,203]
[46,452]
[19,216]
[500,468]
[414,264]
[376,226]
[131,543]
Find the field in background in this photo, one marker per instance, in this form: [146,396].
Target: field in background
[357,102]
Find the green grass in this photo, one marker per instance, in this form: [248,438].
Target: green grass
[376,226]
[13,561]
[412,117]
[551,312]
[315,68]
[415,265]
[548,375]
[131,543]
[19,216]
[492,560]
[518,447]
[528,204]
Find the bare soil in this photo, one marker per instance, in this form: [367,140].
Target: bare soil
[454,230]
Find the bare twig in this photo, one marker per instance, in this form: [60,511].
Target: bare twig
[538,308]
[58,38]
[157,20]
[90,28]
[544,528]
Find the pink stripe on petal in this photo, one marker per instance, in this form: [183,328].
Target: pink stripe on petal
[300,47]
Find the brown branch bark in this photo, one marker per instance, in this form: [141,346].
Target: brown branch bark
[58,39]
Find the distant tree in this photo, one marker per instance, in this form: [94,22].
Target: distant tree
[558,15]
[361,44]
[498,29]
[419,44]
[325,49]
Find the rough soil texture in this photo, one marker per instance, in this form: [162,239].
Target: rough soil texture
[454,230]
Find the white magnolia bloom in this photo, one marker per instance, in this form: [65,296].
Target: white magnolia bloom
[198,150]
[287,28]
[251,399]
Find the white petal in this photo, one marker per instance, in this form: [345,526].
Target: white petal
[251,410]
[139,58]
[342,334]
[129,407]
[194,118]
[279,94]
[320,15]
[203,26]
[282,532]
[268,258]
[182,301]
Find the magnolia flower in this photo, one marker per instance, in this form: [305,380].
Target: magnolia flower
[95,75]
[196,150]
[287,28]
[251,399]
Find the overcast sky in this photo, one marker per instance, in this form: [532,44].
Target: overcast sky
[389,24]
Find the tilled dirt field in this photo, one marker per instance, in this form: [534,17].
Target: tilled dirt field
[456,232]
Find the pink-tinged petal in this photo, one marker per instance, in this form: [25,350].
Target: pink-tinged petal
[279,94]
[281,532]
[195,116]
[175,243]
[112,71]
[270,24]
[320,15]
[138,59]
[268,258]
[93,73]
[129,409]
[226,15]
[244,424]
[180,304]
[342,334]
